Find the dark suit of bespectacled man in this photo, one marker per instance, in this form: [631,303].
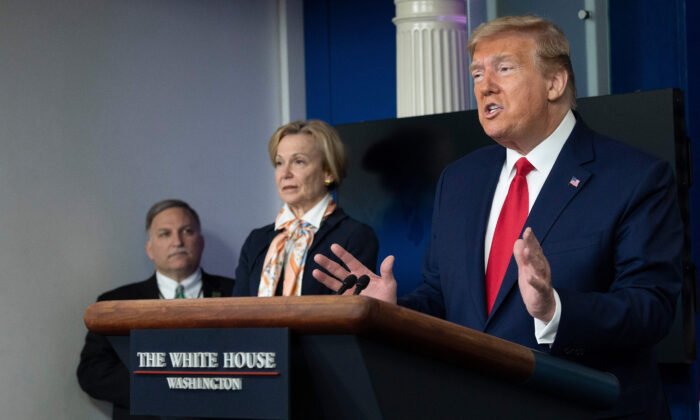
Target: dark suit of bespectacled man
[592,270]
[175,245]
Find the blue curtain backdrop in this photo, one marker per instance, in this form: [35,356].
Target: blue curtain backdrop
[350,49]
[651,47]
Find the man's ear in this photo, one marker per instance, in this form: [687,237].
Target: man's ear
[148,250]
[556,85]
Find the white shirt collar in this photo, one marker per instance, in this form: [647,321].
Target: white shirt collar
[192,285]
[543,156]
[313,216]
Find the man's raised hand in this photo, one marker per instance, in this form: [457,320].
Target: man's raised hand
[534,277]
[382,286]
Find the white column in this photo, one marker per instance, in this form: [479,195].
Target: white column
[597,65]
[291,59]
[431,60]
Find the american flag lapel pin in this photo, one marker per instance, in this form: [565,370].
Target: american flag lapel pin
[574,181]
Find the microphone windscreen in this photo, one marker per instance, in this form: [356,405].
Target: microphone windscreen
[348,282]
[361,284]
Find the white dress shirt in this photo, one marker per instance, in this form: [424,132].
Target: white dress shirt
[192,285]
[542,158]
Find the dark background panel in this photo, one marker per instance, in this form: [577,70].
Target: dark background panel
[393,166]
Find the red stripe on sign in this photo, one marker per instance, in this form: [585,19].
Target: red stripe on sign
[165,372]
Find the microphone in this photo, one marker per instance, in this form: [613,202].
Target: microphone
[347,283]
[361,284]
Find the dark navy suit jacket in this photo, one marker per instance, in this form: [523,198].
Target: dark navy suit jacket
[613,243]
[338,228]
[101,373]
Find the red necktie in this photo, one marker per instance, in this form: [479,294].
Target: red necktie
[510,224]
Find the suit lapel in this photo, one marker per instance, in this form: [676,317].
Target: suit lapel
[262,247]
[326,226]
[565,180]
[210,287]
[150,288]
[476,231]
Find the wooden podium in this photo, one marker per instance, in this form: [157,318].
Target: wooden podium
[354,357]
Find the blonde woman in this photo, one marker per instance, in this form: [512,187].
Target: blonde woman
[277,259]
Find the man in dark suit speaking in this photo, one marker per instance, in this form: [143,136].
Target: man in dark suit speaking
[556,238]
[175,245]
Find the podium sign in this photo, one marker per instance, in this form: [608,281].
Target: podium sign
[210,372]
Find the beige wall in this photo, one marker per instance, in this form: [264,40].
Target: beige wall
[105,107]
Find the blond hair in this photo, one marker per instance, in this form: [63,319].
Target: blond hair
[551,45]
[327,140]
